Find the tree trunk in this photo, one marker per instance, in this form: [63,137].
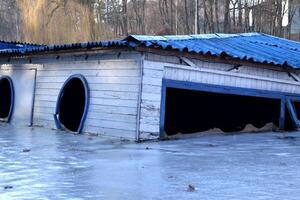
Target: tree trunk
[227,16]
[186,17]
[217,15]
[124,17]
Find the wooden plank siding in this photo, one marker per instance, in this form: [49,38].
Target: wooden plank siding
[151,97]
[114,87]
[23,81]
[114,90]
[119,95]
[203,72]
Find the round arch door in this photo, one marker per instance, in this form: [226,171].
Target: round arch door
[72,104]
[6,98]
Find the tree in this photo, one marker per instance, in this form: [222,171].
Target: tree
[61,21]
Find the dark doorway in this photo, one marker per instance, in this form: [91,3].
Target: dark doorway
[297,108]
[72,104]
[6,98]
[189,111]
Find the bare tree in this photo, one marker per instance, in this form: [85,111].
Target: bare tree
[227,16]
[60,21]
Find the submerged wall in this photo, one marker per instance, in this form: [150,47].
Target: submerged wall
[125,88]
[156,68]
[113,85]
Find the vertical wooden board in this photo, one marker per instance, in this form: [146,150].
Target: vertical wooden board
[227,80]
[149,128]
[290,89]
[274,86]
[199,77]
[282,114]
[259,84]
[23,81]
[151,98]
[186,75]
[254,84]
[213,78]
[193,76]
[221,80]
[153,65]
[294,89]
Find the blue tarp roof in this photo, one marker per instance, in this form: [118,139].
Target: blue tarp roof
[255,47]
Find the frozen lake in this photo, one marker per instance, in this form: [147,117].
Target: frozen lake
[44,164]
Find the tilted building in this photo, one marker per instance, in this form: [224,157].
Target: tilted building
[145,87]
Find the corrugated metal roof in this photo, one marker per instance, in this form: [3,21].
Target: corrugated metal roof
[255,47]
[6,47]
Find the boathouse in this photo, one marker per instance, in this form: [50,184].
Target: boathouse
[145,87]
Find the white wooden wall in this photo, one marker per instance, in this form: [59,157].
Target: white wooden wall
[23,77]
[114,87]
[203,72]
[151,99]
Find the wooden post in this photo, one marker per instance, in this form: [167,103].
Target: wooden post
[282,114]
[162,110]
[292,113]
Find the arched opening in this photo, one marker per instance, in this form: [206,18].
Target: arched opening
[6,98]
[72,104]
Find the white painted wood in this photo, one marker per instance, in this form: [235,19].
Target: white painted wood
[230,79]
[113,109]
[20,66]
[203,72]
[95,80]
[114,116]
[93,87]
[114,95]
[181,69]
[45,110]
[295,76]
[113,102]
[151,89]
[152,81]
[151,97]
[107,123]
[188,61]
[118,133]
[152,73]
[148,128]
[93,101]
[23,82]
[113,88]
[94,116]
[90,73]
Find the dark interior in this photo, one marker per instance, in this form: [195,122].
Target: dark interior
[189,111]
[297,108]
[289,126]
[5,98]
[72,104]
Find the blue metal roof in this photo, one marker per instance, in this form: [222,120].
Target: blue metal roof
[6,47]
[254,47]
